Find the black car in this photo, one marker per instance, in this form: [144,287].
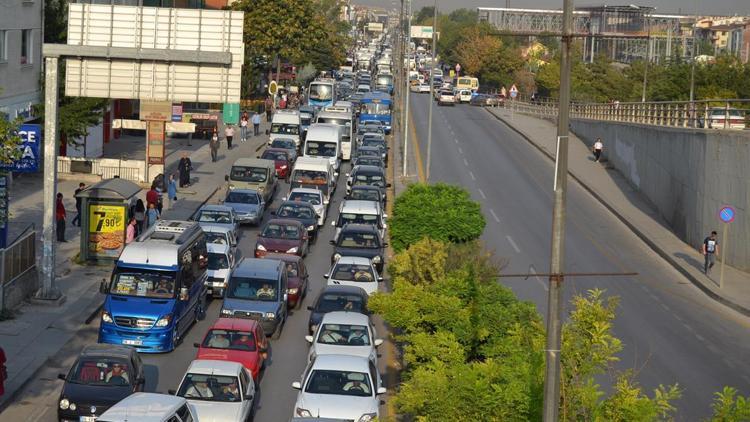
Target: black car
[287,144]
[360,240]
[372,140]
[368,152]
[368,161]
[337,298]
[304,212]
[102,375]
[366,193]
[367,176]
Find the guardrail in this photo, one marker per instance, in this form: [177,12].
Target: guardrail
[15,261]
[107,168]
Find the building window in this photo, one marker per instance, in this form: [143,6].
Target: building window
[3,46]
[26,46]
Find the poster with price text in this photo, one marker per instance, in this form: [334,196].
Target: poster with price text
[106,230]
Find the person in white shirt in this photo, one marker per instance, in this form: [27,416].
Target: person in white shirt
[598,147]
[229,134]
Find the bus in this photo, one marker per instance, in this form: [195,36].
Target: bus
[467,82]
[376,106]
[322,93]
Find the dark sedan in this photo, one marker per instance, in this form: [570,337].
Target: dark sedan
[304,212]
[367,176]
[282,236]
[102,375]
[368,152]
[368,161]
[286,144]
[486,100]
[337,298]
[360,240]
[367,193]
[282,161]
[296,276]
[370,140]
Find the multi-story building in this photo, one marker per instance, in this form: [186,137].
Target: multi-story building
[20,57]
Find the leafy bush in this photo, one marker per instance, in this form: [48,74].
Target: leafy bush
[437,211]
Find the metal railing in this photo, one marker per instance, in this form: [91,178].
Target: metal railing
[706,114]
[16,260]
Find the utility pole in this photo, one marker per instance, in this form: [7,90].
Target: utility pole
[432,92]
[554,302]
[406,86]
[647,64]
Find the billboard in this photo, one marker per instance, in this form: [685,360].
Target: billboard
[149,29]
[106,230]
[31,139]
[375,27]
[423,32]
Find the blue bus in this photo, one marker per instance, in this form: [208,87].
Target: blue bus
[158,288]
[321,93]
[376,106]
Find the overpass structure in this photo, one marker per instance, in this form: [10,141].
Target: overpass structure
[622,33]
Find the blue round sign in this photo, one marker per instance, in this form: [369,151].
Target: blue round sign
[726,214]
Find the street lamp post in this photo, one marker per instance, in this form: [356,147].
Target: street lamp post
[406,87]
[432,92]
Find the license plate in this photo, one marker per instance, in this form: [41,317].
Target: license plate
[129,343]
[88,419]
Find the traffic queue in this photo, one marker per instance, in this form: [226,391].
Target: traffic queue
[164,280]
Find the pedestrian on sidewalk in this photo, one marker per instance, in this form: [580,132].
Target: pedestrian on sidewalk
[710,249]
[140,217]
[213,146]
[172,190]
[269,108]
[152,215]
[597,149]
[184,166]
[152,196]
[130,232]
[256,124]
[229,133]
[60,218]
[244,120]
[77,218]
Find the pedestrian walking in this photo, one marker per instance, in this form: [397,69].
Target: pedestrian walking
[184,166]
[60,218]
[172,190]
[77,218]
[152,215]
[269,108]
[710,249]
[244,120]
[256,124]
[229,134]
[597,149]
[140,217]
[152,196]
[131,231]
[213,146]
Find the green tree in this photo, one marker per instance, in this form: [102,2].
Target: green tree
[438,211]
[9,139]
[729,407]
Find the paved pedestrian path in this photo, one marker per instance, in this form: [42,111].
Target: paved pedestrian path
[633,209]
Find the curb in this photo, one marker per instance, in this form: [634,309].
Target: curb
[641,235]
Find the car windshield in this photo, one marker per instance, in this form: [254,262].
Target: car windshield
[221,217]
[375,108]
[217,261]
[306,121]
[285,128]
[103,371]
[364,195]
[385,80]
[369,128]
[234,197]
[144,283]
[284,143]
[300,211]
[345,218]
[216,388]
[252,289]
[313,198]
[353,272]
[281,231]
[216,237]
[368,153]
[274,155]
[344,335]
[369,161]
[358,240]
[373,141]
[334,120]
[229,339]
[331,302]
[249,174]
[369,180]
[341,383]
[320,149]
[320,92]
[310,176]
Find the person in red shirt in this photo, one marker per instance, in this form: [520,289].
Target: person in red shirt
[152,197]
[3,371]
[60,218]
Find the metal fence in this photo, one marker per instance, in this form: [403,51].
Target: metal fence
[16,260]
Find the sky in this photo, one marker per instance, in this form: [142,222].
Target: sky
[702,7]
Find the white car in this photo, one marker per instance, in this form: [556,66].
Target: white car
[344,333]
[464,95]
[424,88]
[220,264]
[339,386]
[218,390]
[314,197]
[446,97]
[354,271]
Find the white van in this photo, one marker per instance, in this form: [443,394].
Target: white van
[342,117]
[286,124]
[314,173]
[323,140]
[150,407]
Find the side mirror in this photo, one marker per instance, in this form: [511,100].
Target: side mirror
[380,279]
[385,215]
[196,345]
[309,339]
[184,294]
[62,377]
[103,287]
[346,174]
[310,308]
[381,390]
[226,177]
[326,275]
[332,242]
[333,223]
[273,212]
[283,198]
[286,297]
[296,385]
[172,392]
[325,202]
[336,174]
[257,156]
[385,245]
[388,185]
[377,342]
[262,203]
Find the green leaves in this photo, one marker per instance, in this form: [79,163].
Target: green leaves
[9,139]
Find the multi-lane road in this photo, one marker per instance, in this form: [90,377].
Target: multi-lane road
[672,333]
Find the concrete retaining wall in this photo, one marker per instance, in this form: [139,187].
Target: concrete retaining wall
[688,174]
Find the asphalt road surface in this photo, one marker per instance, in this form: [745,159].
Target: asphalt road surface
[672,332]
[288,355]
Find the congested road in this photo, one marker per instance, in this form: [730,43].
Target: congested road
[672,332]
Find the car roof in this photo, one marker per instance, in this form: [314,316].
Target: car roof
[358,206]
[354,260]
[257,267]
[212,207]
[342,363]
[111,350]
[143,407]
[239,324]
[214,367]
[282,150]
[305,190]
[343,317]
[284,221]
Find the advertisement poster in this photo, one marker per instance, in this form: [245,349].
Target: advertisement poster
[3,211]
[106,230]
[31,140]
[155,136]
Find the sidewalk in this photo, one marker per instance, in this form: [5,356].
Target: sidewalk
[616,194]
[39,331]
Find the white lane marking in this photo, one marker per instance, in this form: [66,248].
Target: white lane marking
[532,270]
[494,215]
[689,328]
[729,363]
[700,337]
[482,194]
[472,176]
[466,162]
[460,150]
[512,243]
[678,318]
[455,140]
[666,308]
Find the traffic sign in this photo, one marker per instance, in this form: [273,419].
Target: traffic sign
[726,214]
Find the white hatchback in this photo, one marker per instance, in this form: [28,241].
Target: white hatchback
[218,390]
[354,271]
[344,333]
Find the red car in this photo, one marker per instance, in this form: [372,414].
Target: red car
[282,161]
[236,340]
[296,275]
[282,236]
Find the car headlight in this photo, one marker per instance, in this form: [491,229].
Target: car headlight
[376,260]
[311,228]
[260,247]
[64,404]
[260,189]
[283,167]
[106,317]
[270,315]
[303,413]
[231,186]
[367,417]
[292,250]
[226,312]
[73,406]
[164,321]
[336,256]
[292,291]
